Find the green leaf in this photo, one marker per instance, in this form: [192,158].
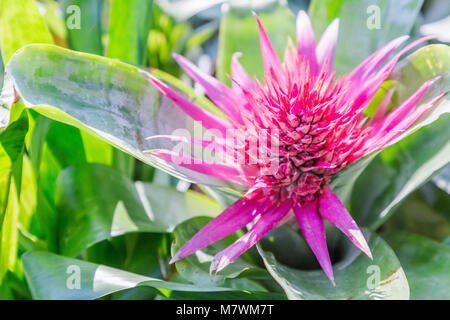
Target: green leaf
[279,23]
[106,98]
[20,24]
[129,26]
[141,253]
[81,16]
[202,102]
[414,215]
[2,70]
[426,264]
[403,167]
[11,158]
[87,37]
[343,182]
[96,202]
[364,26]
[51,276]
[288,245]
[27,193]
[436,198]
[9,239]
[195,268]
[442,180]
[357,277]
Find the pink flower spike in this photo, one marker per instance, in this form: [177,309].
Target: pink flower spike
[375,60]
[219,93]
[235,217]
[270,57]
[401,111]
[266,222]
[313,230]
[384,140]
[238,74]
[381,111]
[327,45]
[332,210]
[306,42]
[207,119]
[227,172]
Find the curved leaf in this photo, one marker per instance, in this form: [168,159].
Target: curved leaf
[442,180]
[419,216]
[106,98]
[96,202]
[1,78]
[51,276]
[195,268]
[357,277]
[12,141]
[426,264]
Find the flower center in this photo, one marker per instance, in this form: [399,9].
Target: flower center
[306,159]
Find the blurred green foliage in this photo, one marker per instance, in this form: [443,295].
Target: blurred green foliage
[72,194]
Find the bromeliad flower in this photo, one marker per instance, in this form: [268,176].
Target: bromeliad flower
[316,126]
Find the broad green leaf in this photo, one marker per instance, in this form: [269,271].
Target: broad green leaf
[51,276]
[436,198]
[365,25]
[106,98]
[426,264]
[357,277]
[406,165]
[28,193]
[20,24]
[141,253]
[278,21]
[53,147]
[195,268]
[9,236]
[226,295]
[202,102]
[129,24]
[14,287]
[442,180]
[224,196]
[288,245]
[415,215]
[344,181]
[95,202]
[11,158]
[1,77]
[83,22]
